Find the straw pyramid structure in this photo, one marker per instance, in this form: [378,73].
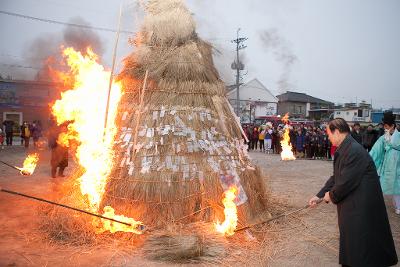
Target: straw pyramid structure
[179,145]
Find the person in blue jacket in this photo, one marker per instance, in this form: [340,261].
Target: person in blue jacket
[300,143]
[386,155]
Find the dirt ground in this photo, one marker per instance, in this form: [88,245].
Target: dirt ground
[309,238]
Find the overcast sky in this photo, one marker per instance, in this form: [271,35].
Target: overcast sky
[337,50]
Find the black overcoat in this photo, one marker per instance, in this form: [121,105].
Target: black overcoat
[59,154]
[365,234]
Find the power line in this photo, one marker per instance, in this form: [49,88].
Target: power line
[19,66]
[62,23]
[19,57]
[69,5]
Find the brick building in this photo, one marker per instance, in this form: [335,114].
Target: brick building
[26,101]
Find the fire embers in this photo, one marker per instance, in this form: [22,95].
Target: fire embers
[134,227]
[229,225]
[29,164]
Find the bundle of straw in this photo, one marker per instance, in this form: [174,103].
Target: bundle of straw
[179,143]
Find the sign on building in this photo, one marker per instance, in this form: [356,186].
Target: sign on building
[8,94]
[265,109]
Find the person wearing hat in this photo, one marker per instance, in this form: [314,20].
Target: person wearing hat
[386,155]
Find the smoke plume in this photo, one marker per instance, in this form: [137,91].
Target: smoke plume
[280,48]
[45,51]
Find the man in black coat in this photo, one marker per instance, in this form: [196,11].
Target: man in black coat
[8,128]
[59,152]
[381,130]
[369,138]
[356,134]
[365,234]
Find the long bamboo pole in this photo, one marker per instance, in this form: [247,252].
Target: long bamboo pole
[9,165]
[21,171]
[277,217]
[64,206]
[112,70]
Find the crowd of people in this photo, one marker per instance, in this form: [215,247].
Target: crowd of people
[34,130]
[27,131]
[310,142]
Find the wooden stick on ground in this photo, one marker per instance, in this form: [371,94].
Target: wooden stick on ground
[62,205]
[276,217]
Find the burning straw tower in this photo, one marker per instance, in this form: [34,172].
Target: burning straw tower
[179,145]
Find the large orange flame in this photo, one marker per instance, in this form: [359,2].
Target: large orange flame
[29,164]
[287,152]
[84,107]
[229,225]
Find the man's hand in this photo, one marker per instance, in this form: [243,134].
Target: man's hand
[327,197]
[313,202]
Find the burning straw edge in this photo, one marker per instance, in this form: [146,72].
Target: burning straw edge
[141,227]
[22,172]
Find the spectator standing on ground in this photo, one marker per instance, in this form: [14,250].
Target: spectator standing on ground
[356,134]
[313,144]
[292,136]
[25,134]
[274,137]
[369,138]
[300,143]
[386,155]
[261,137]
[381,130]
[254,138]
[320,144]
[307,142]
[247,132]
[329,149]
[268,139]
[279,136]
[36,133]
[59,153]
[303,129]
[1,139]
[8,128]
[365,234]
[325,144]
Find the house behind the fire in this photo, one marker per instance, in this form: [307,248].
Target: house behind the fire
[26,101]
[255,100]
[353,112]
[301,105]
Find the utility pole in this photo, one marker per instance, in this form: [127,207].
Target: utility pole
[238,66]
